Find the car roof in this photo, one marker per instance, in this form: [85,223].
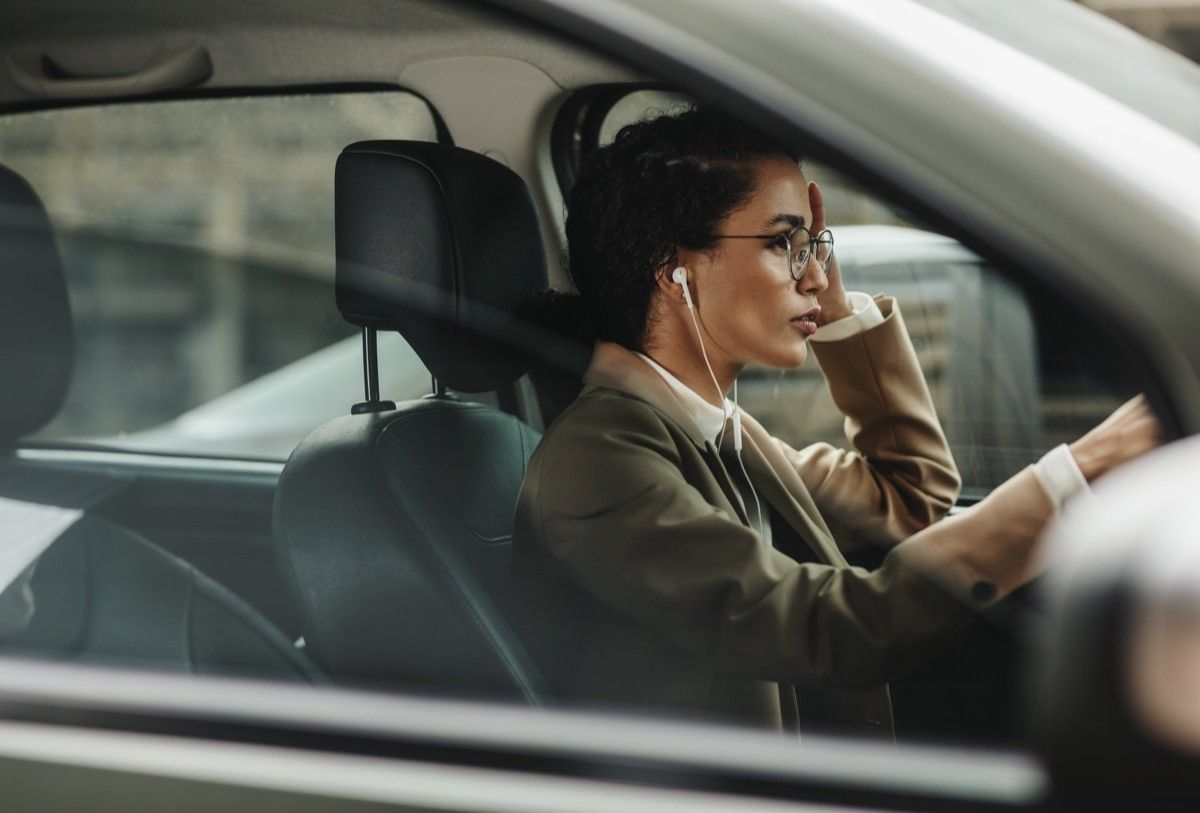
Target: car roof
[292,42]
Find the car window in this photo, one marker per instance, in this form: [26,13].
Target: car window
[1010,375]
[636,105]
[197,240]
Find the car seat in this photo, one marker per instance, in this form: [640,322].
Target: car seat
[394,523]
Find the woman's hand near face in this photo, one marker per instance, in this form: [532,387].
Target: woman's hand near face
[1129,432]
[834,302]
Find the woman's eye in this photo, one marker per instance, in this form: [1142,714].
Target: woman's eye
[780,243]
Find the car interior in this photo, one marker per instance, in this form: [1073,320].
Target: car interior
[423,490]
[377,554]
[100,592]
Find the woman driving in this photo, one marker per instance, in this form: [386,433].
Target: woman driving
[707,556]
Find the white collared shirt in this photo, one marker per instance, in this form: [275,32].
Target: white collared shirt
[709,417]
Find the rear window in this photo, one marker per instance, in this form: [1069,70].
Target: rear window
[198,243]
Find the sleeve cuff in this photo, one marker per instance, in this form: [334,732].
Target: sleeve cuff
[1060,477]
[866,315]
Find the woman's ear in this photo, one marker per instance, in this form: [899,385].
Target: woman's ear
[663,282]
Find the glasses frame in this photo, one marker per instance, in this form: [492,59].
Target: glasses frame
[794,262]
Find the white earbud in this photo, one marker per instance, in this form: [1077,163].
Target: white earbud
[679,277]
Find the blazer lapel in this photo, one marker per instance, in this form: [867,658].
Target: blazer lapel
[725,480]
[772,476]
[782,487]
[615,367]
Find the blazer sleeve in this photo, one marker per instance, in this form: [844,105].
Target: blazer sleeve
[605,496]
[900,476]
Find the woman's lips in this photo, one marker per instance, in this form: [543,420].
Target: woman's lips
[806,326]
[806,322]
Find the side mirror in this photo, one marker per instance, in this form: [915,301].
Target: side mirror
[1118,706]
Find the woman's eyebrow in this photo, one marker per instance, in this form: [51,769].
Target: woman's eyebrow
[784,220]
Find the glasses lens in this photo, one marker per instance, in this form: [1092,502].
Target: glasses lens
[798,252]
[824,248]
[799,261]
[801,247]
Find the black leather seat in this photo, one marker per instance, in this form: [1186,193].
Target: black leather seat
[394,526]
[93,591]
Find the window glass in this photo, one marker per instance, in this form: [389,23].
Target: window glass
[1010,377]
[638,105]
[197,240]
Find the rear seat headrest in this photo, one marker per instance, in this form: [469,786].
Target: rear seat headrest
[442,245]
[35,317]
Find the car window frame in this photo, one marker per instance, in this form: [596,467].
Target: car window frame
[535,744]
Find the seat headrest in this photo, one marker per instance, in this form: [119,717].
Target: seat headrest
[442,245]
[35,317]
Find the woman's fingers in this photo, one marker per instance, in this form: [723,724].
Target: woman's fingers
[816,202]
[1129,432]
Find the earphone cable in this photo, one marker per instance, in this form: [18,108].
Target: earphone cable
[721,435]
[738,451]
[711,374]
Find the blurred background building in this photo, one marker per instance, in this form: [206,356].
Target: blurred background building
[1174,23]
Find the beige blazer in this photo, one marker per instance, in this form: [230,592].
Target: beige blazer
[674,603]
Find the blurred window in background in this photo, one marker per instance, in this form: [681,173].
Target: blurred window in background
[197,239]
[1068,36]
[1174,23]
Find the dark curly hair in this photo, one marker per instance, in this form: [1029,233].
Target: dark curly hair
[662,183]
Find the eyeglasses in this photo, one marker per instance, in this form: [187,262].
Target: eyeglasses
[819,246]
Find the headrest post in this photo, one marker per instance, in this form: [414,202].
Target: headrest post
[439,389]
[371,376]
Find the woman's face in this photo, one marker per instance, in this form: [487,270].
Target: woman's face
[747,301]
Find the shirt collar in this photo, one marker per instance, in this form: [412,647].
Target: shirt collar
[709,418]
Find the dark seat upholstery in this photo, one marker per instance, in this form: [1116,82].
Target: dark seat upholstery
[97,592]
[394,527]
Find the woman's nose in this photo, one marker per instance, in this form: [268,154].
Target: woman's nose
[814,280]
